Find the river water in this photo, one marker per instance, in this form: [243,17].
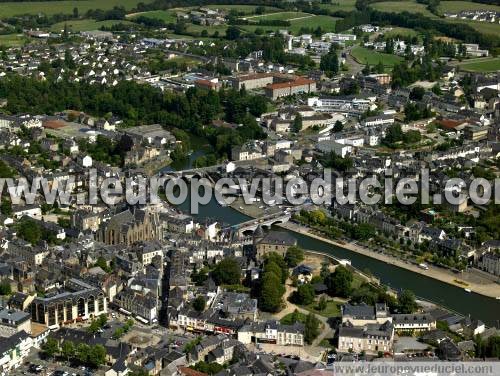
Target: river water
[454,298]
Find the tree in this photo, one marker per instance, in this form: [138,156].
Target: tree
[330,63]
[30,231]
[68,350]
[208,368]
[311,328]
[233,33]
[406,302]
[417,93]
[199,303]
[75,12]
[297,124]
[5,288]
[339,282]
[338,127]
[271,294]
[97,355]
[82,353]
[304,294]
[227,272]
[294,256]
[322,303]
[51,347]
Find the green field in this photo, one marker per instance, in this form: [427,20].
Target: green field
[247,9]
[281,16]
[457,6]
[12,40]
[401,6]
[344,5]
[164,15]
[332,308]
[414,7]
[52,7]
[481,65]
[297,20]
[85,25]
[401,31]
[368,56]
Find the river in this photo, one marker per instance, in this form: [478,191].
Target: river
[454,298]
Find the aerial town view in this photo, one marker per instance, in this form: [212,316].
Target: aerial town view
[249,187]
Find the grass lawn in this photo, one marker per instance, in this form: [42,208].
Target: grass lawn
[52,7]
[192,28]
[164,15]
[413,7]
[282,16]
[85,25]
[484,65]
[247,9]
[401,6]
[401,31]
[457,6]
[346,5]
[367,56]
[332,309]
[289,319]
[327,23]
[482,27]
[12,40]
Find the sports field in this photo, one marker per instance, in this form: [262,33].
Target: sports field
[52,7]
[481,65]
[368,56]
[85,25]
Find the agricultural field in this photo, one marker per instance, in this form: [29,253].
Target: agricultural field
[281,16]
[340,5]
[413,7]
[401,6]
[367,56]
[297,21]
[85,25]
[12,40]
[400,31]
[247,9]
[481,65]
[10,9]
[167,16]
[192,28]
[457,6]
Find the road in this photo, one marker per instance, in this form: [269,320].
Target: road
[354,66]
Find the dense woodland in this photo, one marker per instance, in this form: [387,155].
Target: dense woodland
[143,104]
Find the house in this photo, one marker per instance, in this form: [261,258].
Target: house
[13,321]
[490,262]
[33,211]
[246,152]
[361,314]
[78,301]
[449,351]
[370,338]
[274,241]
[413,322]
[143,306]
[272,332]
[13,351]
